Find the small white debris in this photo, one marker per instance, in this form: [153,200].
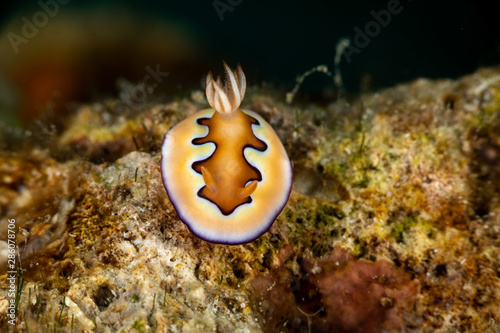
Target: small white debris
[82,318]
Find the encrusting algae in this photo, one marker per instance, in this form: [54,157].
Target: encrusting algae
[392,223]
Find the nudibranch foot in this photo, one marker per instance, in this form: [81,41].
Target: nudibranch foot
[226,172]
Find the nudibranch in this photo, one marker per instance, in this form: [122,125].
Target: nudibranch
[225,170]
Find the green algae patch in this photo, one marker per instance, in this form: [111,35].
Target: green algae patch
[140,326]
[398,230]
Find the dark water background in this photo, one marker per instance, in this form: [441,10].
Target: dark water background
[273,40]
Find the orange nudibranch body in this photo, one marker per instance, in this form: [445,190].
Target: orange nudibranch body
[224,169]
